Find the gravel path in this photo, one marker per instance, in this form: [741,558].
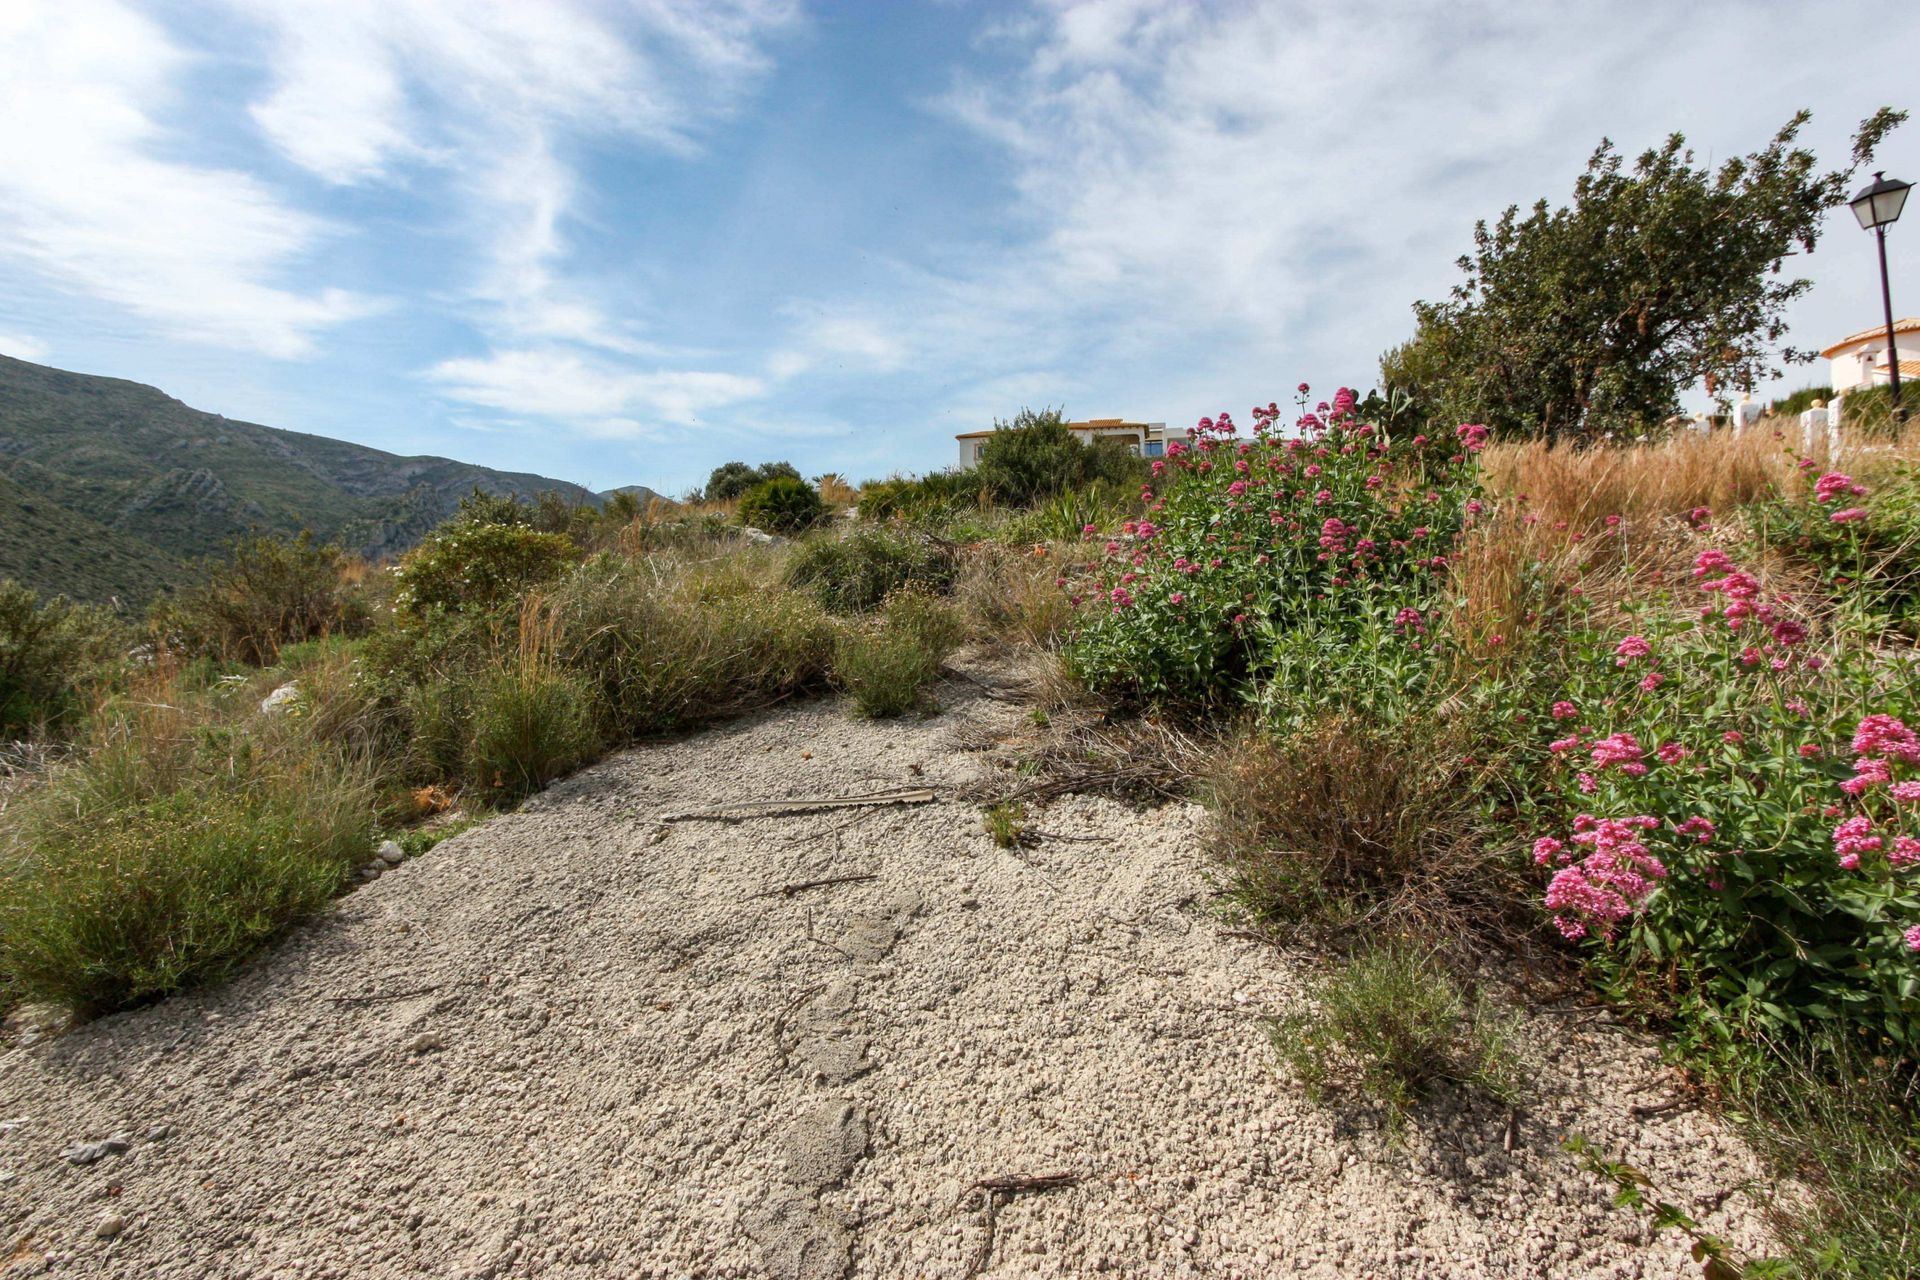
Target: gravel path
[576,1042]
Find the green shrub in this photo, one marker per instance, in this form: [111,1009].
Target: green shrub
[102,908]
[1837,1127]
[853,573]
[785,504]
[477,567]
[528,724]
[267,592]
[1874,561]
[54,655]
[934,499]
[1295,572]
[731,480]
[668,646]
[1036,457]
[885,665]
[1391,1025]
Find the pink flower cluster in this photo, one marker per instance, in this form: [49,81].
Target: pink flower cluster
[1609,884]
[1881,744]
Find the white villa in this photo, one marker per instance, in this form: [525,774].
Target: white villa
[1143,439]
[1860,360]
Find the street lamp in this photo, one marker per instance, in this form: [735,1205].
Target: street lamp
[1877,207]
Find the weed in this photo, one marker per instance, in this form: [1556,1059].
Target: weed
[1005,823]
[855,572]
[1390,1026]
[530,723]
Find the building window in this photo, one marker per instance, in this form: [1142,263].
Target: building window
[1155,449]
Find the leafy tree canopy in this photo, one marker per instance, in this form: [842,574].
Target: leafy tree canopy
[1035,457]
[1593,318]
[731,479]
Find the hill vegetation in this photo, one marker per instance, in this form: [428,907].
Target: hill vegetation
[110,490]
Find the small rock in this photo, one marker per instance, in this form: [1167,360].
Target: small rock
[286,695]
[391,853]
[109,1226]
[426,1042]
[93,1152]
[160,1133]
[372,870]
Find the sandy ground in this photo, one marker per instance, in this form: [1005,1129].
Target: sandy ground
[578,1042]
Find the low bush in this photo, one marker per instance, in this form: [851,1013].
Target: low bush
[785,504]
[1014,597]
[932,499]
[732,480]
[885,665]
[528,723]
[476,567]
[103,907]
[266,592]
[1035,457]
[669,646]
[1847,1159]
[854,572]
[1391,1025]
[55,656]
[1286,571]
[1352,819]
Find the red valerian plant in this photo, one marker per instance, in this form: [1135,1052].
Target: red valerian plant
[1718,836]
[1273,556]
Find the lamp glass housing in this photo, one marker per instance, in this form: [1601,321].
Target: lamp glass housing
[1880,204]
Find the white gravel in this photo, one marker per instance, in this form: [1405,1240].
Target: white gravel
[574,1042]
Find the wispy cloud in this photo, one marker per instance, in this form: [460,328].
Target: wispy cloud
[490,95]
[91,198]
[21,347]
[556,383]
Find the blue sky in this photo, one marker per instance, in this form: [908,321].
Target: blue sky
[622,242]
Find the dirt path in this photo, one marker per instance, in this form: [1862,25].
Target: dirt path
[577,1043]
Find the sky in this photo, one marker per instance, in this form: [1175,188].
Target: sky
[624,241]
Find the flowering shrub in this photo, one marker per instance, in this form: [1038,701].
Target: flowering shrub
[1715,799]
[473,566]
[1272,567]
[1862,538]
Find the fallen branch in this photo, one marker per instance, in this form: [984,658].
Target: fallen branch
[1008,1185]
[786,808]
[788,890]
[1013,1184]
[993,691]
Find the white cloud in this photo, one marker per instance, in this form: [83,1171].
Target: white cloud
[21,347]
[1228,198]
[490,93]
[561,385]
[90,198]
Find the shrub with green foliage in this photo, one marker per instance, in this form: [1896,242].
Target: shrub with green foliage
[785,504]
[267,592]
[1036,457]
[885,664]
[1389,1026]
[854,572]
[54,655]
[730,480]
[1286,571]
[528,724]
[471,566]
[669,646]
[930,499]
[123,902]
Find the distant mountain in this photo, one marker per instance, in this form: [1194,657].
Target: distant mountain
[109,489]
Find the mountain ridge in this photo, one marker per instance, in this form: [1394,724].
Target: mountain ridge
[116,487]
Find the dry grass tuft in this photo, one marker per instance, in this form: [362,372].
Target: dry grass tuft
[1350,823]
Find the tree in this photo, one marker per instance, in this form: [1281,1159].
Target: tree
[1593,318]
[1035,457]
[784,504]
[731,479]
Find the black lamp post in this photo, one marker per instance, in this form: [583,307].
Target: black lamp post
[1878,207]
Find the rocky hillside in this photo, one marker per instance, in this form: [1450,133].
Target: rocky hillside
[110,489]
